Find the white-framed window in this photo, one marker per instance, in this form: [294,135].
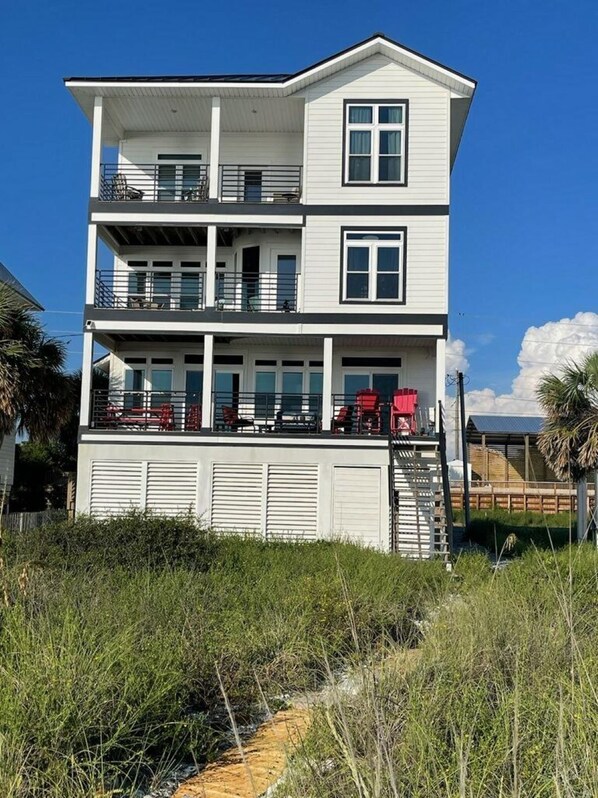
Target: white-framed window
[373,266]
[375,142]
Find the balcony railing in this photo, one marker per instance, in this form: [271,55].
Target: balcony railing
[150,290]
[167,182]
[352,419]
[250,183]
[267,412]
[266,291]
[159,411]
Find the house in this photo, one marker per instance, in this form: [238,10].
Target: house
[504,449]
[280,244]
[7,448]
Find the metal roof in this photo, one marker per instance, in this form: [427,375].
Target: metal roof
[7,278]
[505,425]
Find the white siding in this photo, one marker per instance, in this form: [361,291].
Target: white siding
[171,488]
[428,159]
[7,464]
[237,497]
[426,267]
[292,501]
[116,486]
[235,148]
[356,504]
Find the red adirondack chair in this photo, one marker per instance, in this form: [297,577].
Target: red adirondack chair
[368,410]
[344,420]
[193,418]
[403,412]
[166,418]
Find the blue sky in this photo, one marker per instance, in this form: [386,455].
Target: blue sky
[524,245]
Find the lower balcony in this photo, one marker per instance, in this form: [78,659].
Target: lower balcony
[364,413]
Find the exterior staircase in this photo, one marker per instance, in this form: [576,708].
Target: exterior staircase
[421,514]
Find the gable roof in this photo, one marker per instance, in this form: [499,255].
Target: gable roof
[8,278]
[505,425]
[376,43]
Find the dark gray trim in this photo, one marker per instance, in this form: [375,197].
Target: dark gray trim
[264,209]
[401,184]
[259,318]
[371,362]
[372,303]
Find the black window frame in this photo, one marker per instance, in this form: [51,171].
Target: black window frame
[372,230]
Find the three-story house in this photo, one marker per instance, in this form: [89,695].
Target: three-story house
[276,307]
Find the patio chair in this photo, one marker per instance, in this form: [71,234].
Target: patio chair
[122,191]
[166,417]
[403,412]
[233,420]
[368,410]
[343,421]
[199,192]
[193,418]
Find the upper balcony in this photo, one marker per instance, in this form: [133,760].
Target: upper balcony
[190,182]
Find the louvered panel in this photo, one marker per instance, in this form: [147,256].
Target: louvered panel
[292,502]
[356,504]
[115,487]
[171,488]
[237,497]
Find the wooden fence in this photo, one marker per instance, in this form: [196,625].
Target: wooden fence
[538,497]
[23,522]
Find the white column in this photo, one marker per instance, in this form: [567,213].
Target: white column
[211,266]
[208,368]
[440,377]
[86,372]
[214,148]
[92,261]
[327,407]
[96,145]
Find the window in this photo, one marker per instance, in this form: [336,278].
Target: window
[375,142]
[374,266]
[177,180]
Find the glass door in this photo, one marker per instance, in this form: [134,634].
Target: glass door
[386,385]
[286,281]
[134,388]
[226,394]
[161,387]
[193,398]
[292,390]
[265,394]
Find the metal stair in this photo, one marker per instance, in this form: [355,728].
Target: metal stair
[421,515]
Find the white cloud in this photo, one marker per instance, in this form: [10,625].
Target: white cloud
[543,351]
[456,357]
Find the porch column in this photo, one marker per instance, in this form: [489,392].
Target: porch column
[86,372]
[96,145]
[327,406]
[210,293]
[214,149]
[526,439]
[92,260]
[208,368]
[440,379]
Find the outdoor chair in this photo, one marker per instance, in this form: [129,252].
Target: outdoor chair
[403,412]
[122,191]
[233,420]
[199,192]
[368,410]
[343,421]
[193,418]
[166,417]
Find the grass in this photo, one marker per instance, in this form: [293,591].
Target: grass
[501,703]
[524,530]
[117,638]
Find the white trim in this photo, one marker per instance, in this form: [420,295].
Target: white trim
[208,376]
[96,146]
[211,258]
[214,148]
[86,374]
[250,440]
[327,408]
[199,220]
[92,259]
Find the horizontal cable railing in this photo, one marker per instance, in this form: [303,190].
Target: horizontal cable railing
[249,183]
[164,411]
[150,290]
[266,291]
[167,182]
[267,412]
[355,416]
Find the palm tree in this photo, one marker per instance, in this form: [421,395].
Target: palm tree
[35,393]
[569,440]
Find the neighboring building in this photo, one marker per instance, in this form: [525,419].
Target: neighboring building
[504,449]
[7,449]
[280,242]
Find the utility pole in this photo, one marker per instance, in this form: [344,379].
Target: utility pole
[461,406]
[457,442]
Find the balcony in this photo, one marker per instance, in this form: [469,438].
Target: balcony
[189,182]
[185,290]
[247,413]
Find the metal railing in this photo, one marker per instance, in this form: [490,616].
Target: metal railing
[266,291]
[155,182]
[156,411]
[249,183]
[267,412]
[150,290]
[351,419]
